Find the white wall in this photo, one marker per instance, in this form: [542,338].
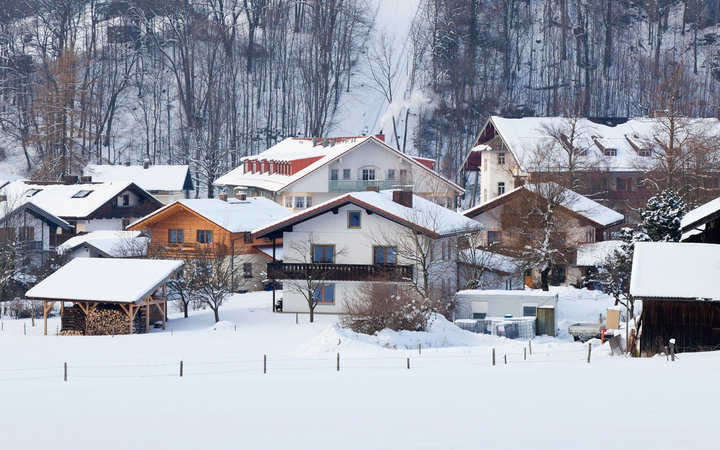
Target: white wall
[100,224]
[492,173]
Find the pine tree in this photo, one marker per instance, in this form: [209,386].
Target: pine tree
[661,216]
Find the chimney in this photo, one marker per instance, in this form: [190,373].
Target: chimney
[70,179]
[372,189]
[223,196]
[241,195]
[146,163]
[380,137]
[403,198]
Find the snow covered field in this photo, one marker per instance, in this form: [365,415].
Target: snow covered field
[125,392]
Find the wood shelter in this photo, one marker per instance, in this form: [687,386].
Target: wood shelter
[130,285]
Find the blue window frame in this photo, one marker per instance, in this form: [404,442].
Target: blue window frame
[323,254]
[324,293]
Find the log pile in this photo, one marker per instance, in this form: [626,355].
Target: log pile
[111,319]
[73,320]
[70,333]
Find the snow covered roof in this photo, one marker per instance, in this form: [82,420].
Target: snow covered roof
[594,253]
[154,178]
[491,260]
[10,209]
[424,216]
[507,293]
[524,135]
[111,243]
[268,250]
[236,216]
[295,149]
[579,204]
[676,270]
[701,214]
[105,280]
[69,200]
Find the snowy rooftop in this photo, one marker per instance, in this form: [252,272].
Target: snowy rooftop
[293,149]
[510,293]
[676,270]
[105,280]
[696,216]
[525,135]
[492,260]
[113,243]
[66,200]
[10,208]
[154,178]
[594,253]
[424,214]
[236,216]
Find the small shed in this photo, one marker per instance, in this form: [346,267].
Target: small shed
[486,304]
[678,285]
[107,294]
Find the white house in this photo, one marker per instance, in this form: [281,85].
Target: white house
[367,237]
[167,183]
[301,172]
[105,244]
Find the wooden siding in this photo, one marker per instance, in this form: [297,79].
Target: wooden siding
[695,325]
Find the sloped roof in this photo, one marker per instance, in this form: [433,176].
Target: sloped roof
[585,207]
[594,253]
[424,216]
[701,214]
[105,280]
[524,135]
[10,209]
[236,216]
[496,262]
[293,149]
[110,243]
[154,178]
[676,270]
[62,200]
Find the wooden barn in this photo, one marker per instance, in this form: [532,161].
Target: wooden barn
[678,284]
[107,296]
[702,224]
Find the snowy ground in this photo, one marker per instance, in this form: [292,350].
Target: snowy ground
[125,392]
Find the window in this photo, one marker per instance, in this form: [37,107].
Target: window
[645,152]
[501,158]
[368,174]
[81,194]
[308,202]
[324,293]
[385,255]
[299,202]
[386,291]
[619,184]
[346,174]
[247,237]
[334,174]
[288,202]
[126,200]
[247,270]
[493,237]
[529,310]
[443,250]
[610,152]
[590,235]
[26,234]
[479,315]
[204,236]
[323,254]
[557,275]
[403,174]
[501,188]
[354,218]
[175,236]
[391,174]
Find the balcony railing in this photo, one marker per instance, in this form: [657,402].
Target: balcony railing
[359,185]
[339,272]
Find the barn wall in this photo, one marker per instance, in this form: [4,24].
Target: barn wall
[695,325]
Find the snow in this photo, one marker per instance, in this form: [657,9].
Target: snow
[676,270]
[696,215]
[154,178]
[105,280]
[586,207]
[593,253]
[424,213]
[113,243]
[268,250]
[492,260]
[451,397]
[236,216]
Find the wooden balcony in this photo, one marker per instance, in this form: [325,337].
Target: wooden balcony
[339,272]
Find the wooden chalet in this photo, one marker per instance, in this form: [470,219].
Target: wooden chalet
[108,296]
[678,285]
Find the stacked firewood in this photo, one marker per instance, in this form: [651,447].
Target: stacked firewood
[73,319]
[70,333]
[111,319]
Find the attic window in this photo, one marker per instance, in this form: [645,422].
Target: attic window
[644,152]
[32,192]
[81,194]
[610,152]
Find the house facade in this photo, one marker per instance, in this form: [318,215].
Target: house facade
[509,227]
[366,237]
[166,183]
[210,228]
[298,173]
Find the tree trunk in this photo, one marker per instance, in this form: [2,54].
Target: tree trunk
[217,316]
[312,314]
[185,309]
[544,276]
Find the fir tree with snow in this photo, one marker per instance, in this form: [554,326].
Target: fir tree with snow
[662,215]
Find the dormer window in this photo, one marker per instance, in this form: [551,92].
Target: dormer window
[610,152]
[644,152]
[32,192]
[81,194]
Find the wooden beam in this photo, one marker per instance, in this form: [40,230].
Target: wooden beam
[164,313]
[131,315]
[46,310]
[147,318]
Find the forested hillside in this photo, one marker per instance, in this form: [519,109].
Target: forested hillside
[206,82]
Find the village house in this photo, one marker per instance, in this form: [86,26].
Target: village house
[215,228]
[166,183]
[386,238]
[105,244]
[678,286]
[84,206]
[702,224]
[611,156]
[301,172]
[509,228]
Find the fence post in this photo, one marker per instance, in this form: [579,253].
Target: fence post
[408,362]
[296,318]
[171,331]
[672,349]
[419,348]
[589,350]
[338,362]
[264,363]
[493,356]
[64,371]
[525,354]
[530,346]
[181,368]
[24,329]
[505,356]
